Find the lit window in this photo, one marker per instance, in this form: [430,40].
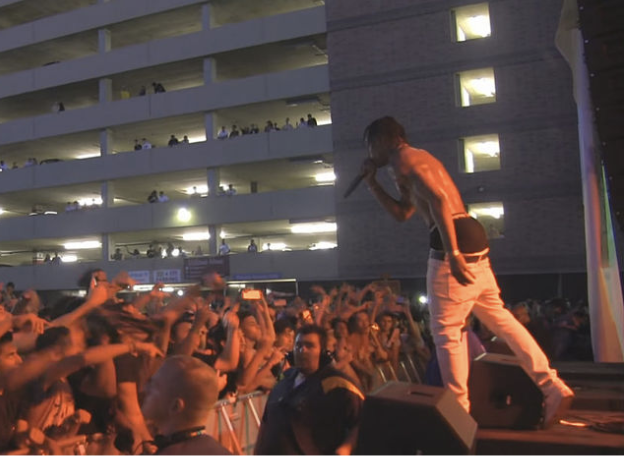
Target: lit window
[480,153]
[471,22]
[491,216]
[476,87]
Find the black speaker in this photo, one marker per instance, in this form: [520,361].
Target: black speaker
[402,418]
[502,394]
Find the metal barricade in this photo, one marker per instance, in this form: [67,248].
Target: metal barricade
[235,422]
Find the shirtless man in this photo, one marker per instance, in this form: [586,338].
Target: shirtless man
[460,280]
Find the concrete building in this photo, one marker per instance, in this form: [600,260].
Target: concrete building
[479,84]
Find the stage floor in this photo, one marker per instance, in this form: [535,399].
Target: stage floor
[594,425]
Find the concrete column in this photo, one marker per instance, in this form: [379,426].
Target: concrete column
[209,126]
[106,142]
[107,193]
[108,247]
[208,18]
[105,90]
[213,181]
[104,40]
[213,239]
[209,70]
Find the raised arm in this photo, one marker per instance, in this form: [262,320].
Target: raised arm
[401,209]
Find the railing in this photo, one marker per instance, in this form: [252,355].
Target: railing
[234,422]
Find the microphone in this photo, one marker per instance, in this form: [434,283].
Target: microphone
[353,185]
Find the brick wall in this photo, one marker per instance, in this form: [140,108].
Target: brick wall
[397,57]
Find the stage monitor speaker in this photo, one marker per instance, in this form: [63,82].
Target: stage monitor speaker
[402,418]
[502,394]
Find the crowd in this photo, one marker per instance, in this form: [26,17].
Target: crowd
[270,126]
[115,369]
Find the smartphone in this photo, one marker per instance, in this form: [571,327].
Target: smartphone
[306,316]
[252,294]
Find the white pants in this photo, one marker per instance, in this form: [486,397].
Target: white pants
[450,303]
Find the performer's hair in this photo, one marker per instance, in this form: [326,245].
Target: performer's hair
[386,128]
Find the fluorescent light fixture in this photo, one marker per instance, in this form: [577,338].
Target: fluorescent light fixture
[489,148]
[199,138]
[87,155]
[236,285]
[200,189]
[274,246]
[325,177]
[323,246]
[183,215]
[85,245]
[313,228]
[484,86]
[493,211]
[1,211]
[69,258]
[85,201]
[196,236]
[479,25]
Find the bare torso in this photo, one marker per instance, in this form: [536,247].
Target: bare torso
[409,166]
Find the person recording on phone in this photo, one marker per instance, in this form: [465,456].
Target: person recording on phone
[459,278]
[315,409]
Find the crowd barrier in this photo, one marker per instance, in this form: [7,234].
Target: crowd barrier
[234,422]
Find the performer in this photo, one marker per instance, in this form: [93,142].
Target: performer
[459,278]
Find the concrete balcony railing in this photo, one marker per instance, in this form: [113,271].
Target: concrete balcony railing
[231,93]
[303,265]
[201,155]
[305,203]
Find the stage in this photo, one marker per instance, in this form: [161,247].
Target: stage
[594,425]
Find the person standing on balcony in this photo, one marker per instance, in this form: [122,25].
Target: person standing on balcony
[252,248]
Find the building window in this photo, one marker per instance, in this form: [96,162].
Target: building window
[471,22]
[480,153]
[476,87]
[491,216]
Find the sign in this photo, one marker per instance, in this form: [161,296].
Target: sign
[167,276]
[254,277]
[142,277]
[196,267]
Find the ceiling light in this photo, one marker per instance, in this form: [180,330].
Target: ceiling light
[86,245]
[479,25]
[69,258]
[323,246]
[201,189]
[275,246]
[222,235]
[1,211]
[484,86]
[494,212]
[313,228]
[87,155]
[196,236]
[491,148]
[325,177]
[85,202]
[199,138]
[183,215]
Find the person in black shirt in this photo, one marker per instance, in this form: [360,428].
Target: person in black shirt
[315,409]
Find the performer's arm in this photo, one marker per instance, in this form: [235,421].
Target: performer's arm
[401,209]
